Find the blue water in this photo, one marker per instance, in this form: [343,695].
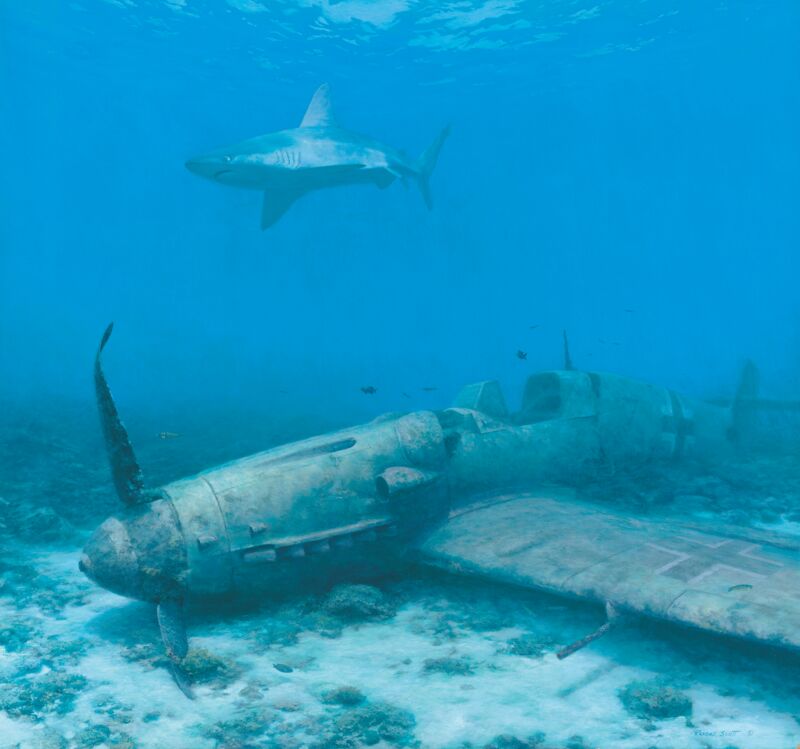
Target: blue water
[626,170]
[605,157]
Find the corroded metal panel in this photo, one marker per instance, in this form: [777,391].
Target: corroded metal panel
[515,455]
[739,586]
[313,499]
[205,536]
[635,419]
[557,395]
[324,483]
[421,438]
[710,433]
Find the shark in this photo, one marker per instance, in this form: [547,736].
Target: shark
[288,164]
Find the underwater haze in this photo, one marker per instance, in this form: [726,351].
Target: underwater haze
[604,157]
[627,171]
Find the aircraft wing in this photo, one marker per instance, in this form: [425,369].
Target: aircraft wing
[745,585]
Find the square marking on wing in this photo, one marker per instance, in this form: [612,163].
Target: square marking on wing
[695,559]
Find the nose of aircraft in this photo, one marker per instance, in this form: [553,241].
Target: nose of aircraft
[109,558]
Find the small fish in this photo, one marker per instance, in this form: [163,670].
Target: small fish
[429,389]
[522,354]
[741,586]
[369,390]
[168,435]
[405,395]
[283,668]
[533,327]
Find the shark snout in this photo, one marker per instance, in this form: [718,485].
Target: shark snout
[203,166]
[211,167]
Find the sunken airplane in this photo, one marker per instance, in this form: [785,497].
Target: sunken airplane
[288,164]
[462,489]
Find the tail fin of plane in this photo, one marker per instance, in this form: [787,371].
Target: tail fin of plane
[745,403]
[426,165]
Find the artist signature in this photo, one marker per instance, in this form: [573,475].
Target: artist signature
[724,732]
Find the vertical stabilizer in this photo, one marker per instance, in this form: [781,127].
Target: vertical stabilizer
[743,409]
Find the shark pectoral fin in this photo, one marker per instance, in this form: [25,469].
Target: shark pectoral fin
[320,111]
[276,203]
[172,624]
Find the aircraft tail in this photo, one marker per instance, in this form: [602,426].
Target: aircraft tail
[744,404]
[426,165]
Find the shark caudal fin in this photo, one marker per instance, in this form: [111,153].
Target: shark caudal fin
[426,165]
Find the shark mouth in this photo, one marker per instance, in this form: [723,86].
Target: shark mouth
[218,174]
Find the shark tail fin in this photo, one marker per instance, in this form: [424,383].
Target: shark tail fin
[426,165]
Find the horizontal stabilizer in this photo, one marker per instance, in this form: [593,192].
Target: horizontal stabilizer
[760,404]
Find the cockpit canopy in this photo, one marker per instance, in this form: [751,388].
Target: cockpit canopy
[547,396]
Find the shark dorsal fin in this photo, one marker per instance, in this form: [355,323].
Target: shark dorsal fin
[319,112]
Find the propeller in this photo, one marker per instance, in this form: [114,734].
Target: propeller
[125,470]
[129,483]
[172,624]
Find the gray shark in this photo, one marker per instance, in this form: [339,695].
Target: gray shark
[288,164]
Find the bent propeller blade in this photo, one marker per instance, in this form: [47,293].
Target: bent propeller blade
[171,622]
[173,629]
[125,470]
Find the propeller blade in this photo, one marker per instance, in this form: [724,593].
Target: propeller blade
[125,470]
[173,632]
[181,679]
[173,629]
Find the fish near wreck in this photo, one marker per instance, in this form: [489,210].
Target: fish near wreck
[288,164]
[460,489]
